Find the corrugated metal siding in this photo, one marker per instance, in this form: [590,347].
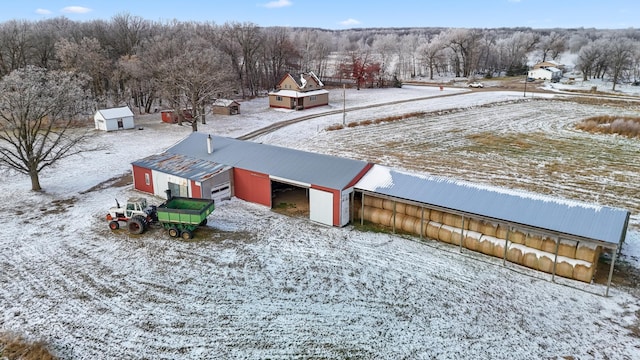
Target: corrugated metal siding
[559,215]
[323,170]
[181,166]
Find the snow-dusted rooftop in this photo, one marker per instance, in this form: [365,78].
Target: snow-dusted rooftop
[540,211]
[115,113]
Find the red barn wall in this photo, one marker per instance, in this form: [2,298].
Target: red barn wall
[252,186]
[140,180]
[196,190]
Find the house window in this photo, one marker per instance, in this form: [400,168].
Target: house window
[278,98]
[312,97]
[147,179]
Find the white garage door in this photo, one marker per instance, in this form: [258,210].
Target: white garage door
[321,206]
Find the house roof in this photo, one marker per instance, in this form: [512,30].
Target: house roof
[224,102]
[115,113]
[290,164]
[298,94]
[563,216]
[181,166]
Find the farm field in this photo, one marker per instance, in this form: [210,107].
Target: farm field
[256,284]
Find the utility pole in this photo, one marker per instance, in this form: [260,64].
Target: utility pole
[344,104]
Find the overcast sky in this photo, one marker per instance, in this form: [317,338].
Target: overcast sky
[343,14]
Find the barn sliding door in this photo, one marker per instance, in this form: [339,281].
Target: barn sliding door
[321,206]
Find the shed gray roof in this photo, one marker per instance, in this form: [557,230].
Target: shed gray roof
[540,211]
[116,113]
[295,165]
[181,166]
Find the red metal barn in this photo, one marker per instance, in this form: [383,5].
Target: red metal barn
[255,173]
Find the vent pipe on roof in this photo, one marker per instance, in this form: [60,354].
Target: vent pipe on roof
[209,145]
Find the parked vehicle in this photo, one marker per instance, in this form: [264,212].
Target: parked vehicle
[476,85]
[180,216]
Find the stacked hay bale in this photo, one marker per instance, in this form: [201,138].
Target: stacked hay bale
[575,260]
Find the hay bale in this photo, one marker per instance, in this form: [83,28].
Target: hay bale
[435,215]
[420,227]
[533,241]
[409,223]
[498,248]
[444,234]
[517,237]
[545,263]
[502,232]
[475,225]
[368,210]
[548,245]
[373,201]
[384,217]
[567,248]
[401,208]
[399,218]
[587,252]
[486,245]
[457,235]
[412,210]
[530,260]
[433,230]
[564,269]
[452,220]
[472,240]
[583,272]
[514,255]
[489,229]
[387,204]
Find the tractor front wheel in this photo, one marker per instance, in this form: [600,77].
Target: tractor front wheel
[136,225]
[186,235]
[114,225]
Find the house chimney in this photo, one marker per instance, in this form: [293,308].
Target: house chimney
[209,145]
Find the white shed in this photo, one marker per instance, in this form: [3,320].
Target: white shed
[114,119]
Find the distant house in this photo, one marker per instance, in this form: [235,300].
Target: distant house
[547,64]
[114,119]
[303,92]
[225,107]
[548,73]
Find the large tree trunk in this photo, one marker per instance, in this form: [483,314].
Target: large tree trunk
[35,181]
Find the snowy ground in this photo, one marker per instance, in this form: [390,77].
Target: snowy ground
[257,284]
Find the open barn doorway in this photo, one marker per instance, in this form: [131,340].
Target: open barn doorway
[289,199]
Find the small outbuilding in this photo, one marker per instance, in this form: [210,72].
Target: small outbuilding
[120,118]
[225,107]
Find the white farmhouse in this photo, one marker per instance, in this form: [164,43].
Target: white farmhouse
[114,119]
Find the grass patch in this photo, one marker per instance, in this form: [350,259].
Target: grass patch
[606,124]
[15,347]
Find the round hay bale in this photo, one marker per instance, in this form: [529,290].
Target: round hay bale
[583,273]
[457,235]
[533,241]
[472,240]
[486,246]
[502,232]
[399,218]
[435,215]
[452,220]
[475,225]
[498,249]
[409,223]
[412,210]
[401,208]
[433,230]
[384,217]
[368,211]
[517,237]
[514,255]
[564,269]
[567,249]
[420,227]
[530,260]
[489,229]
[444,234]
[373,201]
[545,264]
[387,204]
[549,245]
[586,253]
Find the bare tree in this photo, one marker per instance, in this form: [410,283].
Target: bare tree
[550,46]
[279,55]
[432,54]
[242,43]
[37,112]
[620,55]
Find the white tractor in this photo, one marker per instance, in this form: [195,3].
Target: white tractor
[136,214]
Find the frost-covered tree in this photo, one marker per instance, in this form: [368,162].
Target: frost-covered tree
[37,111]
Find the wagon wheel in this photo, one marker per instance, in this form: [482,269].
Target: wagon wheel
[173,232]
[136,225]
[114,225]
[203,222]
[186,235]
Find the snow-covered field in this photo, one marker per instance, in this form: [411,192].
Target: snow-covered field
[257,284]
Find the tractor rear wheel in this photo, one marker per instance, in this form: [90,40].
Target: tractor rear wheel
[136,225]
[173,232]
[186,235]
[114,225]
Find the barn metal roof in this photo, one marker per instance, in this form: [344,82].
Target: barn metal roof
[181,166]
[540,211]
[290,164]
[115,113]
